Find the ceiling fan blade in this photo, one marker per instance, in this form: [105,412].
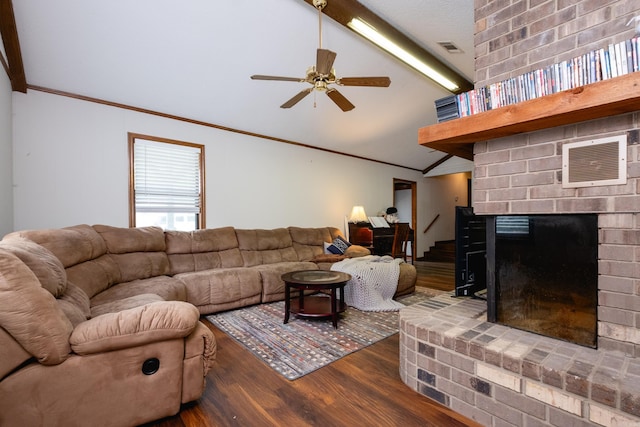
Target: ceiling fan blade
[324,61]
[293,101]
[340,100]
[364,81]
[284,79]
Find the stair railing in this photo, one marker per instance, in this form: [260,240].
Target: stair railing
[431,223]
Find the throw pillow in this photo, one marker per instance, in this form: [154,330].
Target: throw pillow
[338,246]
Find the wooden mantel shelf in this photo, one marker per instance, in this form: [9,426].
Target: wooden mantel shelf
[597,100]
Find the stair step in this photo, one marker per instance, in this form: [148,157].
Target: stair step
[442,251]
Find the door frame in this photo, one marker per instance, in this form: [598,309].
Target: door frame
[403,184]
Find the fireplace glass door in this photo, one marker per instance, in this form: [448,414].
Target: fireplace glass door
[546,273]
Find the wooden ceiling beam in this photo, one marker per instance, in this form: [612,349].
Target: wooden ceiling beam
[436,164]
[343,11]
[9,33]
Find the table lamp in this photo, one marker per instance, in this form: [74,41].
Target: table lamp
[358,215]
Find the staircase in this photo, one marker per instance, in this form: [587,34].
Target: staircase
[443,251]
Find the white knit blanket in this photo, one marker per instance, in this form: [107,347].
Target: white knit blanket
[373,283]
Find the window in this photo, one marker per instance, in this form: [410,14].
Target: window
[166,183]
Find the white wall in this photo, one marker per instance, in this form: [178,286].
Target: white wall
[445,193]
[71,167]
[6,169]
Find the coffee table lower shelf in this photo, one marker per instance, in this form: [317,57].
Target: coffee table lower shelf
[316,306]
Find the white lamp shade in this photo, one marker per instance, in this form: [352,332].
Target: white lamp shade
[358,214]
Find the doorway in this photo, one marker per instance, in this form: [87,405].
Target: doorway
[405,200]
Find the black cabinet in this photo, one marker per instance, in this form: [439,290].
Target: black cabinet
[471,252]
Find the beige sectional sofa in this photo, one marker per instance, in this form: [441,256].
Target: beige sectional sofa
[99,325]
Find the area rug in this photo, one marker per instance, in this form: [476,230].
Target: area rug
[304,345]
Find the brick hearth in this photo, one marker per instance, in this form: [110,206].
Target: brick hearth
[503,376]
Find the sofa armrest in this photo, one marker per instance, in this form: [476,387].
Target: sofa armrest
[356,251]
[199,355]
[152,322]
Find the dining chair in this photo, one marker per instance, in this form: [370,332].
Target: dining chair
[400,241]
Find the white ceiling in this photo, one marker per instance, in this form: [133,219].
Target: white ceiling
[193,59]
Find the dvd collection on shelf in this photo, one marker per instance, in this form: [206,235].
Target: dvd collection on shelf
[601,64]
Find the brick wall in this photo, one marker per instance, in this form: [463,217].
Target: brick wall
[523,173]
[516,36]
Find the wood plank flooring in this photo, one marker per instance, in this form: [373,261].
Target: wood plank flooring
[361,389]
[436,275]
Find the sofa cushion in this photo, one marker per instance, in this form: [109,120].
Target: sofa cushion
[71,245]
[222,289]
[202,249]
[168,288]
[75,304]
[72,312]
[124,304]
[260,247]
[407,279]
[141,265]
[206,240]
[47,268]
[30,313]
[272,283]
[121,240]
[94,276]
[12,354]
[82,252]
[139,253]
[308,242]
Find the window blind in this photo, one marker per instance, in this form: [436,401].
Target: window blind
[167,177]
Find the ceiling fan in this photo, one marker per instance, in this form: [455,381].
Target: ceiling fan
[322,74]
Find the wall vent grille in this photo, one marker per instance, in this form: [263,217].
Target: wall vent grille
[596,162]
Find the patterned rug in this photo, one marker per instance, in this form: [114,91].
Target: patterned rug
[304,345]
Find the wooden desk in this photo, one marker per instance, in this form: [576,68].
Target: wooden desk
[381,239]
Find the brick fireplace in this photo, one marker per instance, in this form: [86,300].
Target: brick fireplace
[503,376]
[499,375]
[522,175]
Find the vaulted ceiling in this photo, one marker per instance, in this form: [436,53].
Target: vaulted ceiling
[194,58]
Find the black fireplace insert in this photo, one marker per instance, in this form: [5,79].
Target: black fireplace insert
[542,274]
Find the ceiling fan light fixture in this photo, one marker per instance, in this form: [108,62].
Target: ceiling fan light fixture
[370,33]
[321,75]
[320,85]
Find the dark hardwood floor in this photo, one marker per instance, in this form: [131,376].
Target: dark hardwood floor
[361,389]
[436,275]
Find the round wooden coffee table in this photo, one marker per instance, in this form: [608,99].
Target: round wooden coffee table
[315,280]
